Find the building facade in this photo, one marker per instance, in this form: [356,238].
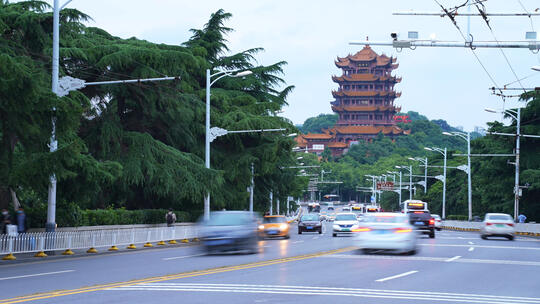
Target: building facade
[364,101]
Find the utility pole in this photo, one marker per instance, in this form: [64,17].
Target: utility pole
[251,188]
[271,199]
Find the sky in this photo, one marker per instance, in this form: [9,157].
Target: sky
[440,83]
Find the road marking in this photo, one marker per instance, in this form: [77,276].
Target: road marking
[453,259]
[397,276]
[476,238]
[482,246]
[471,248]
[296,242]
[315,237]
[182,257]
[431,259]
[60,293]
[471,243]
[35,275]
[328,291]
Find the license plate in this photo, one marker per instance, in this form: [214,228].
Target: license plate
[380,231]
[272,232]
[218,242]
[346,229]
[500,225]
[419,223]
[309,227]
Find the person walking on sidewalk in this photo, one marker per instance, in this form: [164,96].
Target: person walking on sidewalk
[170,217]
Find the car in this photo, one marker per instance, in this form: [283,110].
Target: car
[438,221]
[310,222]
[330,208]
[497,224]
[423,222]
[227,231]
[344,223]
[323,215]
[386,231]
[274,226]
[345,209]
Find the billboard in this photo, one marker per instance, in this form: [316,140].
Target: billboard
[385,186]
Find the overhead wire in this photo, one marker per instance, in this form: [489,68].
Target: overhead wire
[484,16]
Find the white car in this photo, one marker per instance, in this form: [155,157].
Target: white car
[497,224]
[344,223]
[438,221]
[386,231]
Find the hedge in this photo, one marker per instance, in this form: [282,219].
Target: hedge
[71,215]
[457,217]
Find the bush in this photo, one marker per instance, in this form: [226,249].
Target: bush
[457,217]
[71,215]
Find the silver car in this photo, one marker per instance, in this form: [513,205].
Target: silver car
[387,231]
[344,223]
[497,224]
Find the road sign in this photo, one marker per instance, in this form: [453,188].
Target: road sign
[385,186]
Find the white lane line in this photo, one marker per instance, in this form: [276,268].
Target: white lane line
[315,237]
[397,276]
[431,259]
[482,246]
[296,242]
[471,243]
[453,259]
[471,248]
[35,275]
[182,257]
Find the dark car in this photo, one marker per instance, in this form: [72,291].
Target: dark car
[230,231]
[310,223]
[423,222]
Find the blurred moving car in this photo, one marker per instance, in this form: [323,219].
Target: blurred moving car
[423,222]
[310,223]
[230,231]
[346,209]
[274,226]
[438,221]
[344,223]
[323,215]
[497,224]
[386,231]
[330,208]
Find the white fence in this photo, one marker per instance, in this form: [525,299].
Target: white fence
[52,241]
[521,228]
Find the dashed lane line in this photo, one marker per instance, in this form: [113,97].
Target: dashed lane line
[453,259]
[397,276]
[482,246]
[471,248]
[183,257]
[35,275]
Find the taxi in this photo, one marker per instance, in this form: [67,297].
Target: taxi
[274,226]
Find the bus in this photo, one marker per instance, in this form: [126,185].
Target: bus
[413,205]
[331,199]
[373,208]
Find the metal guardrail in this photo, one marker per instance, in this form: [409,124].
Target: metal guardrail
[39,242]
[520,228]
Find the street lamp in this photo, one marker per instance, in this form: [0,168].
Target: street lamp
[443,152]
[394,172]
[517,116]
[209,83]
[425,162]
[467,137]
[409,168]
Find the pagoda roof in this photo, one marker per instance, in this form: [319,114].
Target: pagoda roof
[365,93]
[317,136]
[362,108]
[337,145]
[395,130]
[365,55]
[364,77]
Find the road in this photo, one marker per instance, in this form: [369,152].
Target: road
[455,267]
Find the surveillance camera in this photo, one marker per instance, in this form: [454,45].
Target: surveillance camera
[394,35]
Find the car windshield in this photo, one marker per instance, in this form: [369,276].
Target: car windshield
[229,219]
[500,217]
[310,217]
[271,220]
[385,219]
[346,217]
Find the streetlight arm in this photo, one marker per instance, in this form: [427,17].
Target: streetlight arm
[224,75]
[67,2]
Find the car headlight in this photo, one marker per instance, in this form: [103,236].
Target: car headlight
[261,227]
[283,227]
[336,226]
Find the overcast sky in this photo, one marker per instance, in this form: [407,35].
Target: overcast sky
[441,83]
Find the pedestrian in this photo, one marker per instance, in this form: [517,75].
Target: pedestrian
[170,217]
[20,220]
[6,220]
[522,218]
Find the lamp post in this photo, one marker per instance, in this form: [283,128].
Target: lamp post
[467,137]
[409,168]
[425,162]
[209,83]
[517,116]
[394,172]
[443,152]
[373,193]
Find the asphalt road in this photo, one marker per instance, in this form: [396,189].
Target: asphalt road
[455,267]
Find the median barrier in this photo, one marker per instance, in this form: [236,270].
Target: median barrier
[526,229]
[67,241]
